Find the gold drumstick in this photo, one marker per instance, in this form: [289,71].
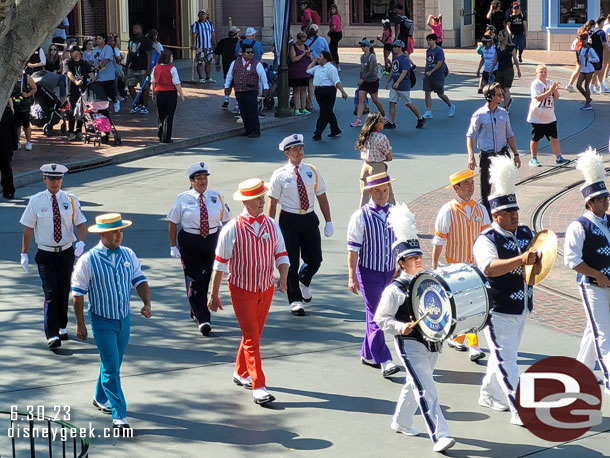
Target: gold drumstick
[416,322]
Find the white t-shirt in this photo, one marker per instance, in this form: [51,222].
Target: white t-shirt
[541,112]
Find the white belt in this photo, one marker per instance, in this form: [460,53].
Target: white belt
[54,249]
[198,232]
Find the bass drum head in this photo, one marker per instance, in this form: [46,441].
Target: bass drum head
[429,293]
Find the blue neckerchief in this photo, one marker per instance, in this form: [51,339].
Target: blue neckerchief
[116,251]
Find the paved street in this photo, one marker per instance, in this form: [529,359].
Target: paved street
[181,400]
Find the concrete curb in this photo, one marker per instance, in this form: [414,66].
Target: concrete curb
[153,149]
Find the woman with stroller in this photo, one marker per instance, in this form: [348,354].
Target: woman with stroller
[55,65]
[88,50]
[79,73]
[165,85]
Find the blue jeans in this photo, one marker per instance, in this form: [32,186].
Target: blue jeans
[111,338]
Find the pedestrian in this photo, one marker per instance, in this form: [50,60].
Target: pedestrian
[576,46]
[55,65]
[516,25]
[335,32]
[506,57]
[139,66]
[103,65]
[394,315]
[371,264]
[157,47]
[79,74]
[250,39]
[166,87]
[488,52]
[490,125]
[387,40]
[326,81]
[587,239]
[60,33]
[599,43]
[296,186]
[434,76]
[586,58]
[500,254]
[400,91]
[368,82]
[225,48]
[119,82]
[458,223]
[201,213]
[22,97]
[246,74]
[8,144]
[375,151]
[247,247]
[316,44]
[299,56]
[542,115]
[436,26]
[51,216]
[203,41]
[495,16]
[606,56]
[309,17]
[106,274]
[403,28]
[88,55]
[36,62]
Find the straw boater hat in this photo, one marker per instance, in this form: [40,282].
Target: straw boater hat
[251,189]
[372,181]
[109,222]
[460,176]
[502,174]
[591,166]
[402,222]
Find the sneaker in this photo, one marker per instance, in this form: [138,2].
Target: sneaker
[401,429]
[298,112]
[561,160]
[534,162]
[389,125]
[246,382]
[104,408]
[19,146]
[515,419]
[385,119]
[420,123]
[570,88]
[520,59]
[444,443]
[605,88]
[305,111]
[117,106]
[261,115]
[586,106]
[144,110]
[28,146]
[451,111]
[475,354]
[356,123]
[427,115]
[598,89]
[202,80]
[297,308]
[305,292]
[486,400]
[71,136]
[136,109]
[262,396]
[456,345]
[210,80]
[225,105]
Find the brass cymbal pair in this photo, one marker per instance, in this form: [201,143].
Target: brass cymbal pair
[545,242]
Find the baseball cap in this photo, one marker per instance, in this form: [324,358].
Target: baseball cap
[251,31]
[366,42]
[202,12]
[398,44]
[234,30]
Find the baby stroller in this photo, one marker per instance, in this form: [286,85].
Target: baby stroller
[47,110]
[96,118]
[269,101]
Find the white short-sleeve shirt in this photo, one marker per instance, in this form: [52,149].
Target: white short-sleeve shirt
[187,213]
[541,112]
[284,186]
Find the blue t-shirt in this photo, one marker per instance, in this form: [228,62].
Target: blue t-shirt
[256,47]
[399,64]
[433,56]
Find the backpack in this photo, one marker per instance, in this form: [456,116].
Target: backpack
[406,24]
[412,77]
[315,17]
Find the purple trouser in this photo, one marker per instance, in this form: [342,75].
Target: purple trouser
[372,283]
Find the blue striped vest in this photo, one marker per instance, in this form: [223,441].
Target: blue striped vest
[376,251]
[507,291]
[595,249]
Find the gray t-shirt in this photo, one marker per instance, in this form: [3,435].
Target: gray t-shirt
[368,68]
[107,73]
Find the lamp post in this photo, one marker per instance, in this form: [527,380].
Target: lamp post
[283,88]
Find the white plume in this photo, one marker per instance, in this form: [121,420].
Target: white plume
[590,164]
[502,174]
[402,221]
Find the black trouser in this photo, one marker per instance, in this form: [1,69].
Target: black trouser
[335,37]
[302,239]
[248,108]
[326,95]
[73,98]
[55,270]
[484,163]
[197,260]
[166,107]
[6,172]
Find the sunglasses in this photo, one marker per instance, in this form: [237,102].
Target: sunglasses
[53,49]
[248,52]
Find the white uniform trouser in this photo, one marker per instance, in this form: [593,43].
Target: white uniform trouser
[586,352]
[419,389]
[596,302]
[503,336]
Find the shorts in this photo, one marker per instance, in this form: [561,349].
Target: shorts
[22,119]
[519,41]
[135,77]
[597,66]
[109,88]
[204,55]
[371,87]
[544,130]
[488,78]
[299,82]
[505,77]
[400,96]
[388,47]
[434,85]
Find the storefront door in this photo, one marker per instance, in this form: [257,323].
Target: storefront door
[467,25]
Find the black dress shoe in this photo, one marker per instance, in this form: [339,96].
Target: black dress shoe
[245,134]
[376,366]
[254,135]
[55,343]
[334,134]
[205,329]
[101,407]
[391,371]
[477,356]
[123,427]
[64,336]
[9,195]
[247,386]
[316,138]
[264,400]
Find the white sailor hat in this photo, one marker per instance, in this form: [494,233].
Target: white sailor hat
[197,168]
[54,170]
[291,141]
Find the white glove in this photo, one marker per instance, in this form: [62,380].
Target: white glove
[328,229]
[174,252]
[79,248]
[25,262]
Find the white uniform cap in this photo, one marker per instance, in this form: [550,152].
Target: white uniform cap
[197,168]
[54,170]
[291,141]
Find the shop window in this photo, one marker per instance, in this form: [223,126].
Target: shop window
[572,12]
[373,11]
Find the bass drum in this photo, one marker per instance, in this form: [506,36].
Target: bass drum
[455,297]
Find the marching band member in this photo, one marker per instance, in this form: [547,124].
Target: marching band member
[458,223]
[394,315]
[51,216]
[247,247]
[587,251]
[499,254]
[371,265]
[295,186]
[201,212]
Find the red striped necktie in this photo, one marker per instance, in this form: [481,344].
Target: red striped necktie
[56,220]
[302,191]
[204,224]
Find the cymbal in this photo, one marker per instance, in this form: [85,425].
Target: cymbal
[545,242]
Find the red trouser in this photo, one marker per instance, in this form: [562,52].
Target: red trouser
[251,309]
